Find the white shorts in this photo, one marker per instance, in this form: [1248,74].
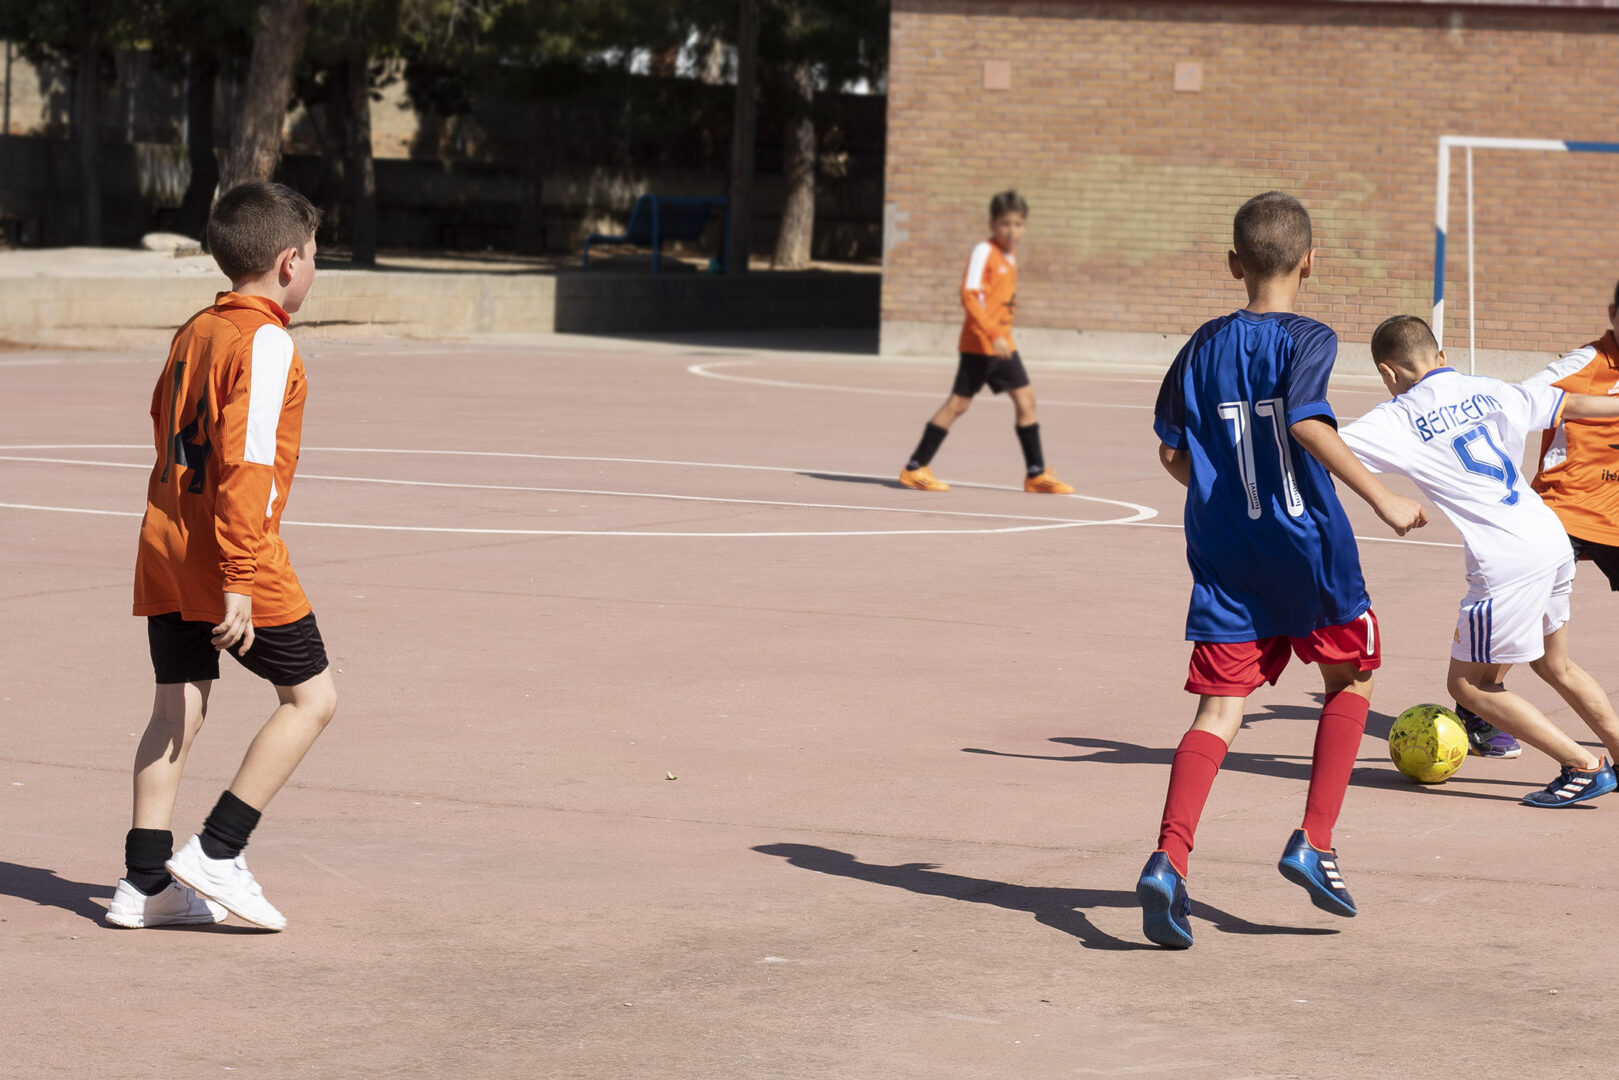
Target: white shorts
[1510,625]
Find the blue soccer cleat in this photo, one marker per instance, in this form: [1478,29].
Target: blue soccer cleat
[1575,786]
[1164,904]
[1316,871]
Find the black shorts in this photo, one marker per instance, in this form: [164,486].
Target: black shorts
[183,651]
[1604,555]
[1002,375]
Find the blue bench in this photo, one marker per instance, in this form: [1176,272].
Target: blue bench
[657,218]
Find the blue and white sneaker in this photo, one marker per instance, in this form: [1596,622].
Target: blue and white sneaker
[1165,907]
[1575,786]
[1317,872]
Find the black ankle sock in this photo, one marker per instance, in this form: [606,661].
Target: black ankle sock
[145,852]
[932,436]
[1033,459]
[225,833]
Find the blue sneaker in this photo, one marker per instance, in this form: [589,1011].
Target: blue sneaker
[1164,904]
[1317,872]
[1485,739]
[1575,786]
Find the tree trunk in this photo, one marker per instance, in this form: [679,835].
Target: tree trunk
[743,118]
[192,218]
[277,44]
[362,167]
[530,217]
[794,241]
[331,123]
[87,94]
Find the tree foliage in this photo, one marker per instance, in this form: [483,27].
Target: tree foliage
[538,58]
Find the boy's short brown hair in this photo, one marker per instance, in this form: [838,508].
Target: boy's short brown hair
[1401,340]
[1008,202]
[1271,234]
[255,222]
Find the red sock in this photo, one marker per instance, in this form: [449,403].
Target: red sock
[1337,741]
[1197,760]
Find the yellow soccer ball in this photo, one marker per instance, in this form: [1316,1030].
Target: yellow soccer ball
[1427,743]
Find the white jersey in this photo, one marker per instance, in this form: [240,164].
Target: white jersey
[1461,439]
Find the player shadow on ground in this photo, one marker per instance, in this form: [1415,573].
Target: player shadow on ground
[1060,909]
[1368,772]
[45,888]
[849,478]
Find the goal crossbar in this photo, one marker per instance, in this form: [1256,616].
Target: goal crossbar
[1469,143]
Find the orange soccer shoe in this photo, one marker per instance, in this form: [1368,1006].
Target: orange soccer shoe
[1046,484]
[922,479]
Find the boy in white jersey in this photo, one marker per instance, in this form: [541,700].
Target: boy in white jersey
[1460,437]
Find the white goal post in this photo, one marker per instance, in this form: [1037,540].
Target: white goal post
[1442,212]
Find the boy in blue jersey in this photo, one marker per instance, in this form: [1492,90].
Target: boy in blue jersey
[1245,426]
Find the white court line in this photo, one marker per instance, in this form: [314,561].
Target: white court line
[1141,520]
[702,370]
[1145,512]
[1140,513]
[597,491]
[590,532]
[1363,539]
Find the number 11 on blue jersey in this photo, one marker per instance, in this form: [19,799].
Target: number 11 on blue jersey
[1242,436]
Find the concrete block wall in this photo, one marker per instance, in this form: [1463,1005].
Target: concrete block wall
[1132,183]
[91,311]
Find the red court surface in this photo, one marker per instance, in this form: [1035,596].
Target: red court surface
[918,746]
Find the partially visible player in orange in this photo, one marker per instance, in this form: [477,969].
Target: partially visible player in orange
[212,573]
[1579,460]
[989,293]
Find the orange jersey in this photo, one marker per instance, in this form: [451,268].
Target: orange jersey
[989,293]
[1579,461]
[227,415]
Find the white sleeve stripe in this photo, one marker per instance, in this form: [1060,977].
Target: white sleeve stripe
[270,366]
[1558,370]
[975,268]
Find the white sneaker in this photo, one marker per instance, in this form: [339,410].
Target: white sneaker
[228,881]
[176,905]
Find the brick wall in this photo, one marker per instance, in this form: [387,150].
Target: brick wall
[1132,184]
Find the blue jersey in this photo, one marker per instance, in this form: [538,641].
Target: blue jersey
[1269,544]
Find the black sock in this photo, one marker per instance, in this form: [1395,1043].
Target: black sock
[1033,459]
[932,436]
[225,833]
[145,852]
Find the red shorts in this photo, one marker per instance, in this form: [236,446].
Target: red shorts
[1238,668]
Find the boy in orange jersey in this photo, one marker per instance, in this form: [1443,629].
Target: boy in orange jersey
[212,573]
[1579,460]
[989,293]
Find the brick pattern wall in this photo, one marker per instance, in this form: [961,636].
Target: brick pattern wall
[1132,185]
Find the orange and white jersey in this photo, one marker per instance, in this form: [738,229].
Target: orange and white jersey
[227,417]
[989,293]
[1579,459]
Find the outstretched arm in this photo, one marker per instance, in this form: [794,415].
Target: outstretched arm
[1324,444]
[1590,407]
[1176,463]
